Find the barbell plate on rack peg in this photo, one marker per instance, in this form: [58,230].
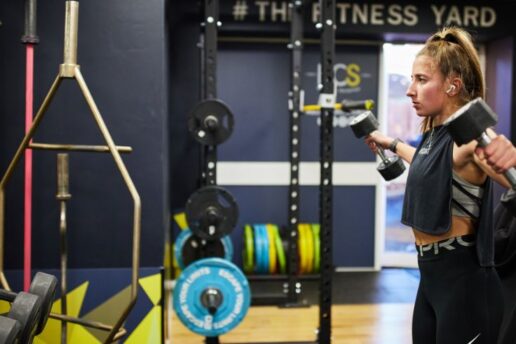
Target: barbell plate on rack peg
[189,248]
[194,301]
[248,252]
[211,212]
[272,249]
[211,122]
[301,248]
[265,246]
[282,261]
[316,229]
[258,249]
[309,248]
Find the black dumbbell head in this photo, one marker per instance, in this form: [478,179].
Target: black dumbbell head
[44,286]
[26,309]
[393,169]
[364,124]
[470,121]
[9,330]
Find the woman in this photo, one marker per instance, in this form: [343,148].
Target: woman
[448,201]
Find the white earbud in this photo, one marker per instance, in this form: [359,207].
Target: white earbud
[451,88]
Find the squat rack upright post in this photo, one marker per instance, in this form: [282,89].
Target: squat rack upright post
[295,98]
[327,101]
[208,47]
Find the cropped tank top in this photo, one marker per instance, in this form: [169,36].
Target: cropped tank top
[427,205]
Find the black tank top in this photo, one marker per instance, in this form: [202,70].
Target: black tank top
[428,194]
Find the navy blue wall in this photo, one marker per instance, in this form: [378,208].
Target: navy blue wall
[254,80]
[122,54]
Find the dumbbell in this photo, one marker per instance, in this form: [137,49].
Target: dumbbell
[363,125]
[9,330]
[26,312]
[32,309]
[470,123]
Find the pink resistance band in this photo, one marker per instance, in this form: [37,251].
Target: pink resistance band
[27,228]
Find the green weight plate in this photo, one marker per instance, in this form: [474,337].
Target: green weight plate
[282,263]
[248,252]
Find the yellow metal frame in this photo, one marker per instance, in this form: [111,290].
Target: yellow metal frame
[71,70]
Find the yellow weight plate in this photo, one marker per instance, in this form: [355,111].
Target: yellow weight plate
[273,266]
[309,249]
[301,248]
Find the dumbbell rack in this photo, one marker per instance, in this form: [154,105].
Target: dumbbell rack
[69,69]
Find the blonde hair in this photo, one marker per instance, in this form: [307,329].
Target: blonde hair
[455,55]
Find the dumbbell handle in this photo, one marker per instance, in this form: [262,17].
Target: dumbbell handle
[510,174]
[382,155]
[7,295]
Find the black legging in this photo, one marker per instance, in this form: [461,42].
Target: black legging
[458,302]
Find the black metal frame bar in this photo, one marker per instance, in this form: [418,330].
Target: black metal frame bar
[295,94]
[208,46]
[209,83]
[327,102]
[327,26]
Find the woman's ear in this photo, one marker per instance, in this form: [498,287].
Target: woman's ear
[453,89]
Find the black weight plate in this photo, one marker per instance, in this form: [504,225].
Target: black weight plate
[45,286]
[393,169]
[211,122]
[211,212]
[196,248]
[9,330]
[26,309]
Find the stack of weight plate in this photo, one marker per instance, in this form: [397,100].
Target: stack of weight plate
[265,249]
